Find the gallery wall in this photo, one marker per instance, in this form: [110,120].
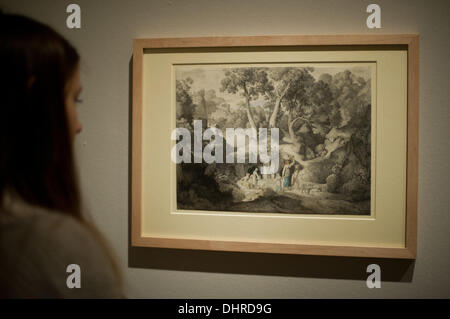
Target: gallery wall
[105,44]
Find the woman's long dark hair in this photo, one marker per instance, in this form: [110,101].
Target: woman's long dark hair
[36,157]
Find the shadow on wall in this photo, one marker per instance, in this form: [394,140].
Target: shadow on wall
[256,263]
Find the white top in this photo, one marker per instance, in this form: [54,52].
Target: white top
[37,245]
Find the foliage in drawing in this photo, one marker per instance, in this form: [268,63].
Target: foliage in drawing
[323,114]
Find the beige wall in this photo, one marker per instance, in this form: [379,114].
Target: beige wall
[104,42]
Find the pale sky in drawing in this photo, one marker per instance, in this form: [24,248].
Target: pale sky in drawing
[210,76]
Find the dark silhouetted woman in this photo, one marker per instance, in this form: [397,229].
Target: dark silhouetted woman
[42,228]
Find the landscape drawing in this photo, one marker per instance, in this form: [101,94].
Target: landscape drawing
[323,115]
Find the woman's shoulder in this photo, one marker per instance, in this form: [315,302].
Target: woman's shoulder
[40,246]
[18,218]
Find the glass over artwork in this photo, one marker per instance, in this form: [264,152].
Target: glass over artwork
[322,113]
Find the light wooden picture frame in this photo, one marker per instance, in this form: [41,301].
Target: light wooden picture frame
[389,230]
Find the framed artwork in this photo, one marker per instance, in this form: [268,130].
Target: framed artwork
[276,144]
